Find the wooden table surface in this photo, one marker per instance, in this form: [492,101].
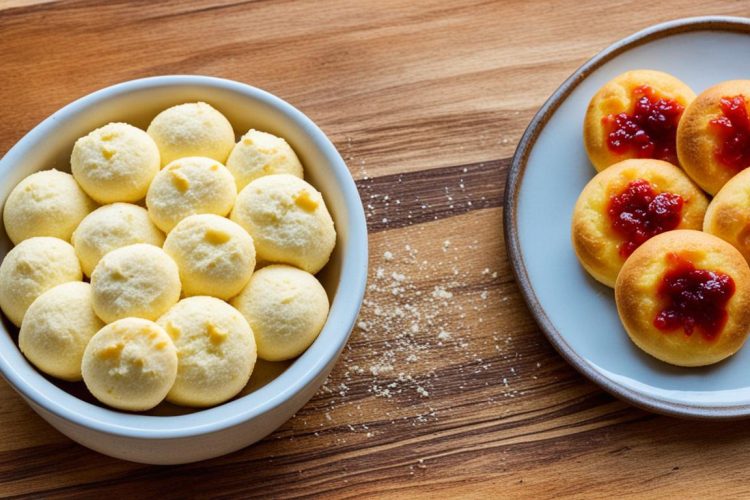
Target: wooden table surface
[447,386]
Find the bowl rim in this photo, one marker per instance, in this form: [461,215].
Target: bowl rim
[303,371]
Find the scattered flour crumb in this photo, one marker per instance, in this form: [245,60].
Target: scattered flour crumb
[405,331]
[441,293]
[380,368]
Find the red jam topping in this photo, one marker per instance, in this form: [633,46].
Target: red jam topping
[638,213]
[734,133]
[693,298]
[649,129]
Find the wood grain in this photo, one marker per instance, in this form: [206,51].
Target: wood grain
[447,387]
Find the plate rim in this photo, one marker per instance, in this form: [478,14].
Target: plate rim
[510,226]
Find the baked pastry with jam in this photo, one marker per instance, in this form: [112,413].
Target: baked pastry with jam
[625,205]
[713,138]
[684,298]
[635,115]
[728,214]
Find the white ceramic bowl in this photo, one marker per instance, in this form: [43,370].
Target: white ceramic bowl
[202,434]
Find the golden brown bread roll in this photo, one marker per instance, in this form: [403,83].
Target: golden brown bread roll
[713,138]
[635,115]
[626,204]
[684,298]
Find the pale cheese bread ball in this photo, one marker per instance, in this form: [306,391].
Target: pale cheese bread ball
[215,256]
[288,220]
[56,329]
[130,364]
[115,163]
[215,348]
[260,153]
[137,280]
[192,129]
[31,268]
[46,203]
[188,186]
[110,227]
[286,308]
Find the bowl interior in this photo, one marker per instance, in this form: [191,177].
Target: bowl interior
[49,146]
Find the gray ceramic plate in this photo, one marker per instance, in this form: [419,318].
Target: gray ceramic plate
[549,170]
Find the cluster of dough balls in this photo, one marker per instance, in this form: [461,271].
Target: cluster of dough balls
[166,224]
